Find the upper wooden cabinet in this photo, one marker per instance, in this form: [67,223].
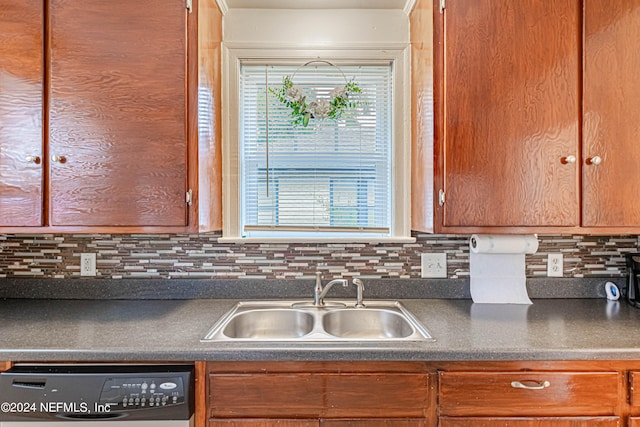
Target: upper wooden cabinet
[508,113]
[21,106]
[526,97]
[611,124]
[117,113]
[128,87]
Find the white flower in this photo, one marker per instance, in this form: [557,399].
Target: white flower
[294,93]
[339,92]
[320,109]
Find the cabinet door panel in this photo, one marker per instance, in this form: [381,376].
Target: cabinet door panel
[21,104]
[328,395]
[531,422]
[634,392]
[634,422]
[262,423]
[374,422]
[252,395]
[376,395]
[611,113]
[118,113]
[511,112]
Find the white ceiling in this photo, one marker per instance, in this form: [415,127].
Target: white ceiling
[316,4]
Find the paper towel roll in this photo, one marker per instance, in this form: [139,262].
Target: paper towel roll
[503,244]
[497,268]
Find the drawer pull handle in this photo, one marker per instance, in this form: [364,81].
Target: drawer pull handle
[538,386]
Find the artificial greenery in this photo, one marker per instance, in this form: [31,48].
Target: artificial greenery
[302,111]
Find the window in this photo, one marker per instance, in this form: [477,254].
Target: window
[333,179]
[331,176]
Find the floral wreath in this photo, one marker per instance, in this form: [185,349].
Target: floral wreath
[302,111]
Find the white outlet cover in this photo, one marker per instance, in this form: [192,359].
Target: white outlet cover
[434,265]
[555,265]
[87,264]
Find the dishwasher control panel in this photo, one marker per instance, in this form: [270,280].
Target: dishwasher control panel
[97,392]
[142,392]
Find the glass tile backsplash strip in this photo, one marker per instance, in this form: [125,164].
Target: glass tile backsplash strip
[201,256]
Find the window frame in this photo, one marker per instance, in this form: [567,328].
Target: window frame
[400,151]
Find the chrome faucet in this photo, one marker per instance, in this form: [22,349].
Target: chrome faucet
[360,297]
[320,292]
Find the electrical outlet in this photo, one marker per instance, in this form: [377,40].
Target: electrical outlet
[555,265]
[434,265]
[87,264]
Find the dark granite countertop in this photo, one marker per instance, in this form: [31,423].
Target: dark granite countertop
[170,330]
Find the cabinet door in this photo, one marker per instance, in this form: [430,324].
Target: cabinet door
[262,423]
[634,422]
[531,422]
[21,104]
[511,112]
[611,113]
[117,118]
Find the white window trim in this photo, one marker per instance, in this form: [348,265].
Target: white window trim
[401,208]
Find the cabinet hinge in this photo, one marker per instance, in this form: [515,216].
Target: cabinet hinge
[441,197]
[189,5]
[189,198]
[443,4]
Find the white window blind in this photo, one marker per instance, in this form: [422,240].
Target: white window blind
[331,176]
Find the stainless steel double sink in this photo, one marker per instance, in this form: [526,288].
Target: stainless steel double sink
[335,321]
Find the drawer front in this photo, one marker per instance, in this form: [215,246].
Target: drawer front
[318,395]
[529,393]
[531,422]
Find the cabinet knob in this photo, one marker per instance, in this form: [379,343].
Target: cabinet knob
[33,159]
[58,159]
[568,159]
[595,160]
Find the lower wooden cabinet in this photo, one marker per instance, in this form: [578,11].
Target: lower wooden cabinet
[531,422]
[420,394]
[318,394]
[371,422]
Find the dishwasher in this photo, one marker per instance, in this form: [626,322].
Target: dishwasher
[82,395]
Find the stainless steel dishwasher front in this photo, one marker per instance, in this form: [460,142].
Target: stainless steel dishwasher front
[86,395]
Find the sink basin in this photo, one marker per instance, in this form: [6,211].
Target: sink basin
[300,321]
[366,324]
[267,324]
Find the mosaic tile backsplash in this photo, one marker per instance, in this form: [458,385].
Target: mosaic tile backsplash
[201,256]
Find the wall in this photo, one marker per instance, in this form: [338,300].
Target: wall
[201,256]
